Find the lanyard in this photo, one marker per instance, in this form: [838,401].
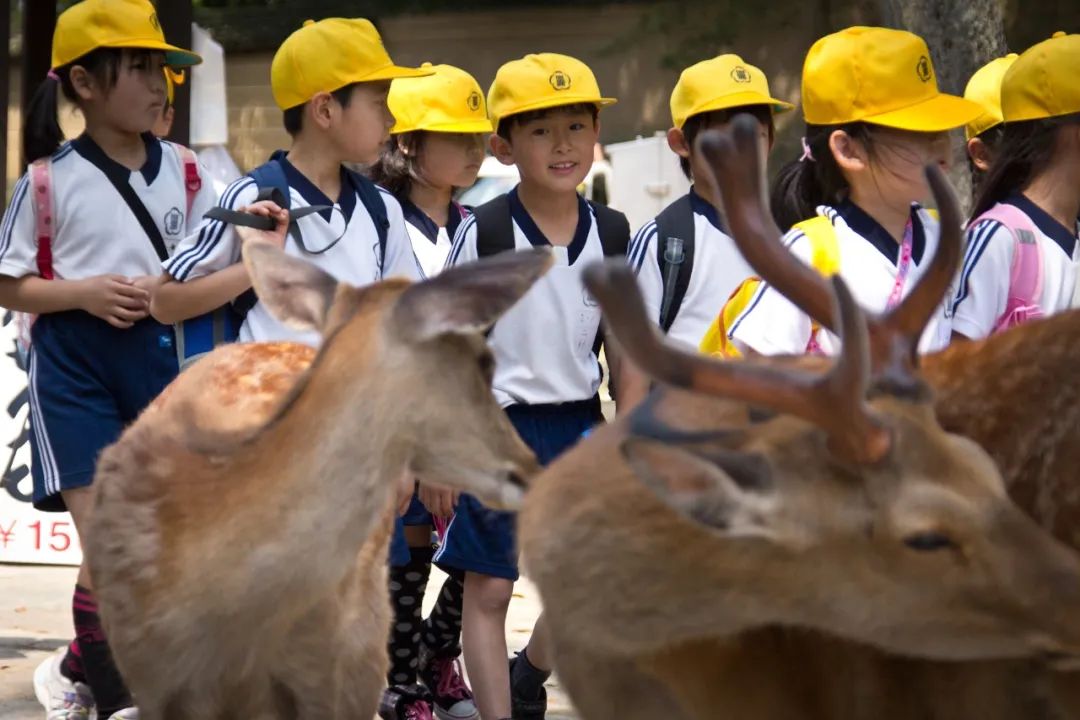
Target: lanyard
[902,268]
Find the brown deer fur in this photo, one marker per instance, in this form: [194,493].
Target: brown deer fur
[241,526]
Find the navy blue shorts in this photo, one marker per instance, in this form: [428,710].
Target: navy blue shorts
[399,548]
[482,541]
[417,514]
[88,380]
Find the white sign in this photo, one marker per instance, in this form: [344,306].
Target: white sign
[26,535]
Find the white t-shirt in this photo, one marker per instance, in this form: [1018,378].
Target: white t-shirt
[983,290]
[543,346]
[869,257]
[347,230]
[718,269]
[431,243]
[95,232]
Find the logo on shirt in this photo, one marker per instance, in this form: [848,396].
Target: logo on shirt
[588,299]
[174,221]
[924,69]
[740,74]
[559,80]
[474,101]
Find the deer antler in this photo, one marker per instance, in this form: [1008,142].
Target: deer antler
[735,162]
[834,401]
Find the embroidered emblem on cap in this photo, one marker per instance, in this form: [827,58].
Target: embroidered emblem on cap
[740,74]
[924,69]
[559,80]
[473,101]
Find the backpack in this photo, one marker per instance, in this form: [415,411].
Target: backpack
[199,335]
[675,256]
[1026,270]
[44,223]
[824,257]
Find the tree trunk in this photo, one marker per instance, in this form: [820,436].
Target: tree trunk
[963,35]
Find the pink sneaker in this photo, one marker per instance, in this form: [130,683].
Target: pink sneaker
[453,700]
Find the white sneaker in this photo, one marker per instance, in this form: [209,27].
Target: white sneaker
[125,714]
[61,698]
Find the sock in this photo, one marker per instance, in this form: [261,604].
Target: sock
[442,629]
[110,693]
[407,585]
[527,681]
[71,666]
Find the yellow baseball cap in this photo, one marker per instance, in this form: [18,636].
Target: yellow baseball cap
[327,55]
[984,87]
[1044,81]
[721,83]
[449,100]
[93,24]
[878,76]
[543,80]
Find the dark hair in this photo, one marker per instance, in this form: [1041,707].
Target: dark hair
[695,124]
[293,118]
[41,132]
[507,123]
[1026,148]
[804,184]
[395,170]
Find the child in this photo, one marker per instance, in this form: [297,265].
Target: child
[436,145]
[874,120]
[686,263]
[80,245]
[1020,261]
[544,108]
[983,134]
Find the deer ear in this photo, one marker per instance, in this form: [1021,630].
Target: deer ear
[294,291]
[469,298]
[734,501]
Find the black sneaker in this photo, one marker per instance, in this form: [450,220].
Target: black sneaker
[526,708]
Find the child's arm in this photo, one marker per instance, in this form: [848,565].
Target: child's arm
[631,384]
[770,324]
[463,249]
[400,261]
[174,301]
[983,289]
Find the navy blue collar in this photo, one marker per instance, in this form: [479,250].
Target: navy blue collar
[420,220]
[701,206]
[314,196]
[870,230]
[85,146]
[1048,226]
[536,237]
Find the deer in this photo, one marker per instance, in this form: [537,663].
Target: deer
[242,522]
[760,538]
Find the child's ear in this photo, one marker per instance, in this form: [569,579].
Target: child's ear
[676,140]
[850,155]
[320,109]
[83,82]
[501,149]
[979,153]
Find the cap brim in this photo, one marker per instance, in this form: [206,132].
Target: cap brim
[742,99]
[939,113]
[554,102]
[174,56]
[468,126]
[393,72]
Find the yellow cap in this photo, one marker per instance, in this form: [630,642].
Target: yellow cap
[449,100]
[326,56]
[984,87]
[1044,81]
[93,24]
[721,83]
[879,76]
[543,80]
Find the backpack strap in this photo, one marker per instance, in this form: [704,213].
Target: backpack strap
[675,256]
[494,226]
[824,257]
[44,222]
[1026,270]
[371,197]
[613,229]
[192,179]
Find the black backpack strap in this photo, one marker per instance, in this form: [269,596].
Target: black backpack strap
[371,197]
[494,227]
[675,256]
[614,230]
[119,181]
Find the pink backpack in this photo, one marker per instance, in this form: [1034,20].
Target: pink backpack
[1026,271]
[41,186]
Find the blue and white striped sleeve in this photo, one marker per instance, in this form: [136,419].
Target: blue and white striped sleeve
[18,246]
[641,256]
[214,245]
[400,260]
[982,291]
[463,249]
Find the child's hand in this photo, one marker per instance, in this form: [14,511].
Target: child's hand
[266,208]
[115,299]
[438,499]
[406,484]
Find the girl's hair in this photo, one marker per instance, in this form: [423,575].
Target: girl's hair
[804,184]
[1026,149]
[395,170]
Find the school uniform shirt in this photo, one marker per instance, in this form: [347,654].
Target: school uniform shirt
[983,290]
[95,232]
[543,346]
[869,259]
[430,243]
[718,270]
[347,230]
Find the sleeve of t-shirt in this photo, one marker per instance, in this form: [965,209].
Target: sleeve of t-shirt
[212,245]
[983,289]
[463,249]
[18,246]
[205,199]
[641,256]
[770,324]
[400,260]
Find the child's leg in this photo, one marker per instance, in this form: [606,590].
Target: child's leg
[442,629]
[408,582]
[483,638]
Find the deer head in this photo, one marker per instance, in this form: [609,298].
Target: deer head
[842,504]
